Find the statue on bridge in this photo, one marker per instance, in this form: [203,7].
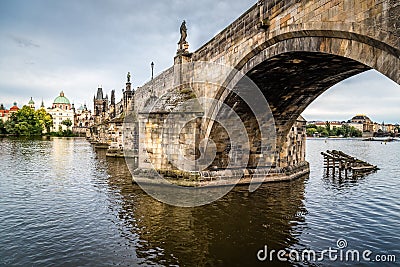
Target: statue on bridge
[183,30]
[183,44]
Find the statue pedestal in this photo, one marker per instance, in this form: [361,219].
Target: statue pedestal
[183,49]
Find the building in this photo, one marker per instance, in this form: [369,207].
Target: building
[83,117]
[361,119]
[4,114]
[83,120]
[100,104]
[332,124]
[357,125]
[31,104]
[109,120]
[387,127]
[14,108]
[61,111]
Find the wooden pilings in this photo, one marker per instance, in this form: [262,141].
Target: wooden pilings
[342,162]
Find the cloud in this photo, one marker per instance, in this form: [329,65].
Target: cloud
[369,93]
[23,42]
[87,43]
[47,46]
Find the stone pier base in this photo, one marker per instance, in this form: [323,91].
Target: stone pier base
[221,177]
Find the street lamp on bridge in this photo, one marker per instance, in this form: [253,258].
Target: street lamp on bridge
[152,70]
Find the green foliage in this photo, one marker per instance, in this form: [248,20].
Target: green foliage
[311,131]
[64,133]
[45,119]
[323,131]
[345,131]
[2,127]
[61,133]
[27,122]
[328,126]
[67,123]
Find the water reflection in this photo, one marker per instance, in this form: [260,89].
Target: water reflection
[341,181]
[227,232]
[87,212]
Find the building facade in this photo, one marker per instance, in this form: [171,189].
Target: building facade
[109,120]
[4,114]
[366,124]
[31,104]
[61,111]
[100,104]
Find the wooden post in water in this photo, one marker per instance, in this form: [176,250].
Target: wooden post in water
[343,162]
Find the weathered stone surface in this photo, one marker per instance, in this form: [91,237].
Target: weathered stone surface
[293,50]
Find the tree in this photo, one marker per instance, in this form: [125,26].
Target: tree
[28,122]
[24,122]
[311,131]
[345,130]
[2,127]
[67,123]
[341,131]
[323,132]
[328,126]
[45,119]
[353,132]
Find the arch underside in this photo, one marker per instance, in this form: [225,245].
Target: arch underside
[291,81]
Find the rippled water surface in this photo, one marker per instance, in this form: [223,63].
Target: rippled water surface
[62,203]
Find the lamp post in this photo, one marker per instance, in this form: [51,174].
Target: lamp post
[152,70]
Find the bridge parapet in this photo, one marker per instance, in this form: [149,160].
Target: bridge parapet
[268,22]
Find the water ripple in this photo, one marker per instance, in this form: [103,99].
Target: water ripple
[63,203]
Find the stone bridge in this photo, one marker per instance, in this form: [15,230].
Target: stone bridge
[293,50]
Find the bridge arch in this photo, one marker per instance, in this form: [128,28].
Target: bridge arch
[293,69]
[294,50]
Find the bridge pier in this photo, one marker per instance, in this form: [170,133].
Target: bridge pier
[170,151]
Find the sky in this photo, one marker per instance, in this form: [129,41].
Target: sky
[51,45]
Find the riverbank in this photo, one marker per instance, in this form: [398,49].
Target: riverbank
[378,139]
[54,134]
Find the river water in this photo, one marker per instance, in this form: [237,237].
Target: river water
[62,203]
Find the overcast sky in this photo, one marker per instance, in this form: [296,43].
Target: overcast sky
[47,46]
